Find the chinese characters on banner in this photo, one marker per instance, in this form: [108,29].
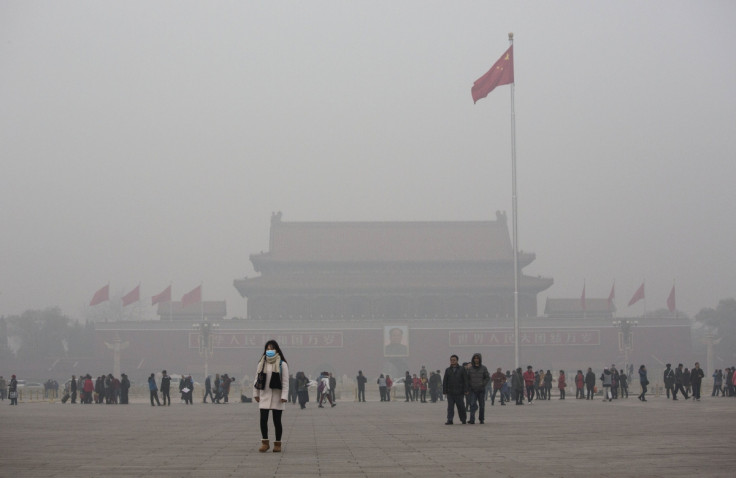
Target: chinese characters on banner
[229,340]
[527,337]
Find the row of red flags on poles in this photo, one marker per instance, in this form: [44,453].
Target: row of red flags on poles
[194,296]
[638,295]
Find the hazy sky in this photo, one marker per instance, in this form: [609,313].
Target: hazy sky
[151,141]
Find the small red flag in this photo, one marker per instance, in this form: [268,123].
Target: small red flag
[132,296]
[671,300]
[638,295]
[164,296]
[612,295]
[192,297]
[101,295]
[501,73]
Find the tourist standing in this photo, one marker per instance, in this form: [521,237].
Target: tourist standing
[561,384]
[73,389]
[124,387]
[623,383]
[455,386]
[408,384]
[478,378]
[643,381]
[579,385]
[517,386]
[498,379]
[361,380]
[13,391]
[717,383]
[274,393]
[153,389]
[165,388]
[529,383]
[607,380]
[302,389]
[590,384]
[669,380]
[381,381]
[696,379]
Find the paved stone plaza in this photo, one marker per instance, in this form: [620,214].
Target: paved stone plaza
[570,438]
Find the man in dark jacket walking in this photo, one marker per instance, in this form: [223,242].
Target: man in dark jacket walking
[478,378]
[696,378]
[679,385]
[455,386]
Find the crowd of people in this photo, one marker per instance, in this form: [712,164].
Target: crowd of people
[516,386]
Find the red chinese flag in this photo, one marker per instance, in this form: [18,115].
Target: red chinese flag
[671,300]
[163,297]
[612,295]
[102,295]
[133,296]
[501,73]
[192,297]
[638,295]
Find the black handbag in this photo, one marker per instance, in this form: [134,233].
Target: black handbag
[260,381]
[275,383]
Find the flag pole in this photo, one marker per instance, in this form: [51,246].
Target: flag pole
[514,221]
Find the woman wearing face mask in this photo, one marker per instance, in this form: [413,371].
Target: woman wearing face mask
[274,394]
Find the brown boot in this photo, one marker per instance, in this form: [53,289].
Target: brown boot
[277,447]
[264,446]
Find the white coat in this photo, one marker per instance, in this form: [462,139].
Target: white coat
[269,398]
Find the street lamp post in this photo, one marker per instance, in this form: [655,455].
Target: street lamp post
[625,338]
[206,342]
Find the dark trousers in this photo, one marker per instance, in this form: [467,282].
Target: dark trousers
[456,400]
[519,396]
[361,394]
[530,393]
[562,394]
[493,395]
[579,393]
[408,394]
[678,386]
[478,403]
[74,396]
[303,397]
[165,396]
[154,395]
[590,392]
[208,392]
[643,392]
[696,390]
[276,423]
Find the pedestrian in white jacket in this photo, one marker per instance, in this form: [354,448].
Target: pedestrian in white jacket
[271,391]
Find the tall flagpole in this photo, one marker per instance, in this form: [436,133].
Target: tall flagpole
[514,222]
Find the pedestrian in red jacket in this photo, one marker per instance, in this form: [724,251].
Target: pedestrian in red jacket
[579,385]
[562,383]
